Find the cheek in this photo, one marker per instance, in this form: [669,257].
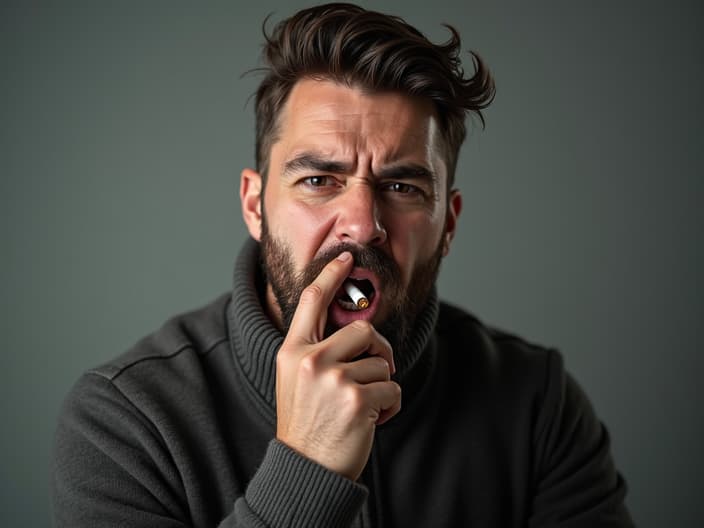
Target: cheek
[302,228]
[413,241]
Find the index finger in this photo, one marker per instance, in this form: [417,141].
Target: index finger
[311,314]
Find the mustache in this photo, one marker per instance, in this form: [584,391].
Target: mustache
[371,258]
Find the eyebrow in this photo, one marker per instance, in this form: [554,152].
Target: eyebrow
[310,161]
[408,171]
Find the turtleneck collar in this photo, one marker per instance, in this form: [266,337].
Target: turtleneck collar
[255,340]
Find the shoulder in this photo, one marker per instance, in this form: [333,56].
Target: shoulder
[165,375]
[520,392]
[514,378]
[489,355]
[196,333]
[140,419]
[162,374]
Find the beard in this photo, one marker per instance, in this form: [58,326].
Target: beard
[404,304]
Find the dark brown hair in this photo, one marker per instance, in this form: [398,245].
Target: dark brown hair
[377,52]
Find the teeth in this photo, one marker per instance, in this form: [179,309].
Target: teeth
[348,305]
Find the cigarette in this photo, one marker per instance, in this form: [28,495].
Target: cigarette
[356,295]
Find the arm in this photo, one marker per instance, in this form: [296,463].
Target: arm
[112,465]
[576,481]
[112,468]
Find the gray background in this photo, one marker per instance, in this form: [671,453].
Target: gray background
[124,128]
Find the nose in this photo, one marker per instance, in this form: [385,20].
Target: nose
[359,220]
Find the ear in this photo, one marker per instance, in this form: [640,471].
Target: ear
[454,208]
[250,198]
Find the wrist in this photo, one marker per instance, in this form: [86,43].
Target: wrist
[292,490]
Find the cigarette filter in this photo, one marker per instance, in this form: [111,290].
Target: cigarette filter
[356,295]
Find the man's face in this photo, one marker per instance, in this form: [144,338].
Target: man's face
[356,171]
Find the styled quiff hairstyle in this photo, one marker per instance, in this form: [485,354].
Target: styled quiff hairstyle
[377,52]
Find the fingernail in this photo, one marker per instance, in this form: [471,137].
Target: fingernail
[344,256]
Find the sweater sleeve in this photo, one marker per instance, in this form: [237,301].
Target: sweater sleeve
[112,468]
[291,490]
[576,483]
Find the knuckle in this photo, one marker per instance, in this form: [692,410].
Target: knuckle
[337,377]
[309,365]
[311,294]
[395,390]
[383,364]
[354,399]
[284,357]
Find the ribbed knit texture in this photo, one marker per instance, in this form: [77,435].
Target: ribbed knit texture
[255,340]
[251,330]
[290,490]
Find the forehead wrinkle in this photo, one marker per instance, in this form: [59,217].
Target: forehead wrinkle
[368,135]
[353,127]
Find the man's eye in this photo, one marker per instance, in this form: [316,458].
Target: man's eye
[317,181]
[403,188]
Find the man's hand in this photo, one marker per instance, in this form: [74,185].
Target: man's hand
[327,404]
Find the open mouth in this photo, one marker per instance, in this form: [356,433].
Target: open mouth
[356,294]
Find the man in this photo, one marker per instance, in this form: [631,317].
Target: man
[331,387]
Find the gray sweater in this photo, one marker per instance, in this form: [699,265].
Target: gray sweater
[179,431]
